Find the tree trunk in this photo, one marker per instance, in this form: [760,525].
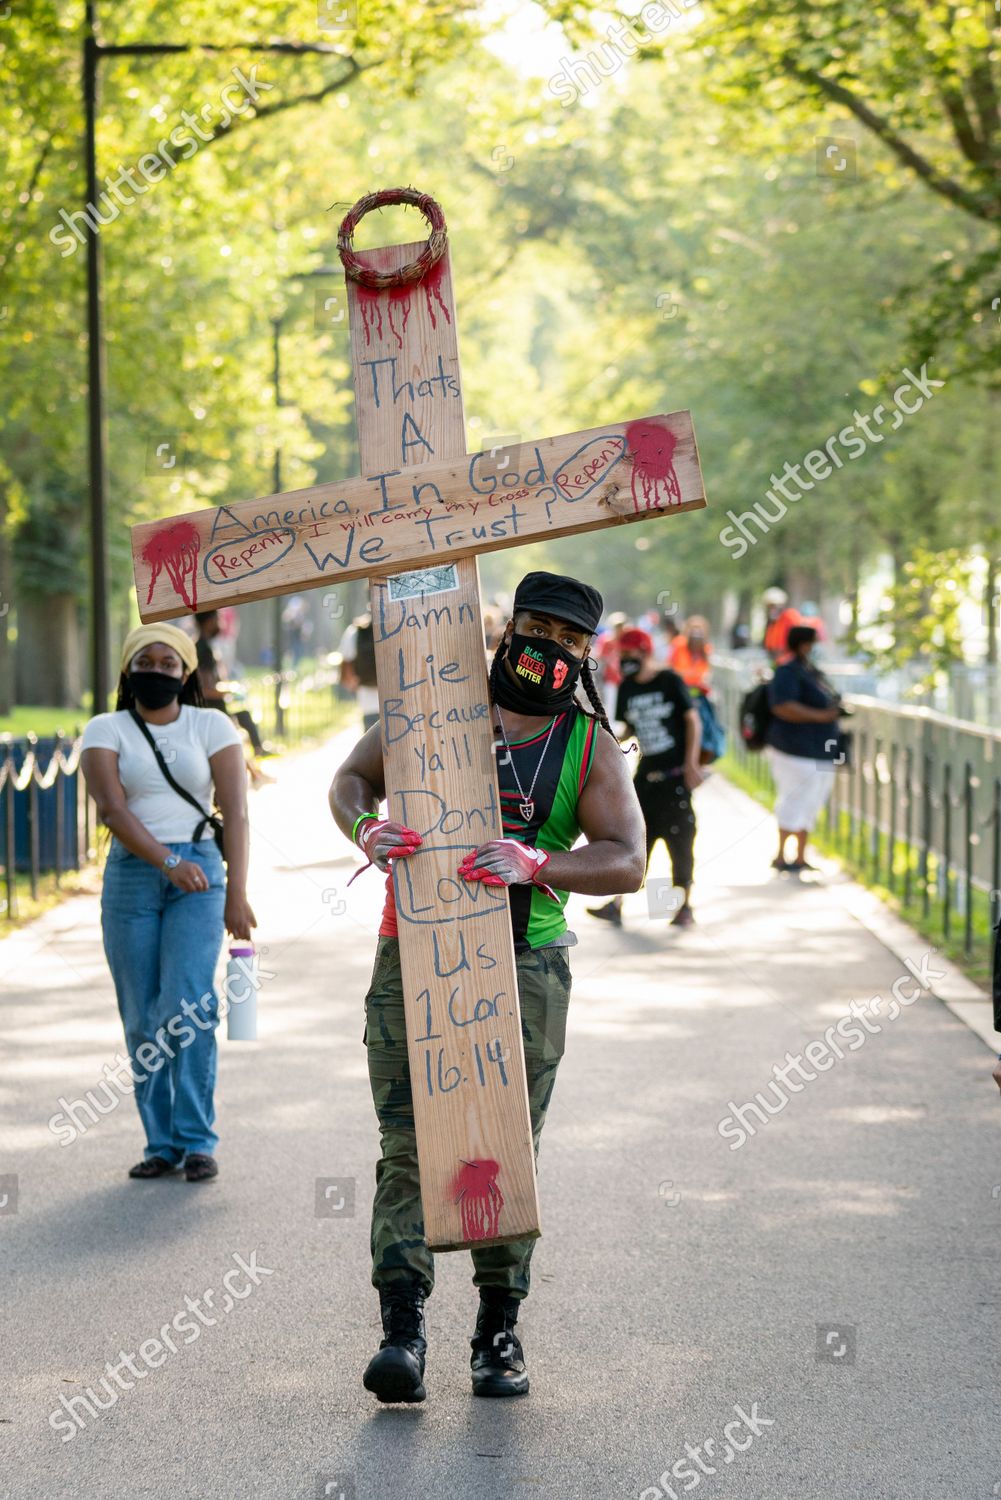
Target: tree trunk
[50,648]
[803,584]
[991,602]
[6,655]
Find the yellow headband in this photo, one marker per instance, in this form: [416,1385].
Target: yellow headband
[166,635]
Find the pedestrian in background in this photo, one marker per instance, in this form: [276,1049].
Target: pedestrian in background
[996,991]
[780,618]
[606,654]
[802,743]
[358,673]
[654,705]
[210,628]
[167,895]
[689,654]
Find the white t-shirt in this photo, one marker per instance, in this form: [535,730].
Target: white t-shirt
[185,745]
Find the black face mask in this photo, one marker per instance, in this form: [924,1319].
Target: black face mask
[154,689]
[545,676]
[629,665]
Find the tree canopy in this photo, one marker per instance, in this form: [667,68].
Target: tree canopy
[676,238]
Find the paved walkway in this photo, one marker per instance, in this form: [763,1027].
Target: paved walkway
[826,1292]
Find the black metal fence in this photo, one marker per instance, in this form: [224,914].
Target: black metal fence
[293,706]
[45,813]
[915,810]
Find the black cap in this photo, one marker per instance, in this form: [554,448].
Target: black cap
[566,598]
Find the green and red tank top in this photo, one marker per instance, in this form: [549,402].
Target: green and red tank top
[536,919]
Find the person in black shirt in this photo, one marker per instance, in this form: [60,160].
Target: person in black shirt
[655,706]
[207,621]
[803,744]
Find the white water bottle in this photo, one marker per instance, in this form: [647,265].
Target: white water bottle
[241,993]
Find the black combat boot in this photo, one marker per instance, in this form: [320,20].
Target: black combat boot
[396,1373]
[498,1360]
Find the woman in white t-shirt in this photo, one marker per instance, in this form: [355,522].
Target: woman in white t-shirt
[167,894]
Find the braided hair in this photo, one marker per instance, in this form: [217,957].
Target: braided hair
[594,698]
[586,679]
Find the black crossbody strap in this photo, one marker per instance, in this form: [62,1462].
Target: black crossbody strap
[180,790]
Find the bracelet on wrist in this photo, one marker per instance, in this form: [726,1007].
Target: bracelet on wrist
[358,821]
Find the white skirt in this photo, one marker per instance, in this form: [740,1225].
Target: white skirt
[803,784]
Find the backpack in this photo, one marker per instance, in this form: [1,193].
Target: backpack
[713,733]
[755,714]
[364,663]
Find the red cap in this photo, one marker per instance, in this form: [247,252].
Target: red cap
[635,640]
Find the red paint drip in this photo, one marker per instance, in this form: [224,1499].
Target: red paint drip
[432,293]
[174,548]
[655,483]
[480,1199]
[371,313]
[397,303]
[401,304]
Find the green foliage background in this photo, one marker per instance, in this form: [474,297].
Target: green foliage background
[664,242]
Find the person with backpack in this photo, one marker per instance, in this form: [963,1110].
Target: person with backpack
[153,768]
[803,743]
[656,707]
[358,668]
[689,656]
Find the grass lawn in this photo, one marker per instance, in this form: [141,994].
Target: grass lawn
[43,721]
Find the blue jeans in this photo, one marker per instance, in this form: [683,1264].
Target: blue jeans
[162,946]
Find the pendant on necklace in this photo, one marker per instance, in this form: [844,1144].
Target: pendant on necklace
[527,809]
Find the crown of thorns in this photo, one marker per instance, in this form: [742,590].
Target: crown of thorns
[415,270]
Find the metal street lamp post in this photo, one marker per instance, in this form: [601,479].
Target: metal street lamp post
[93,52]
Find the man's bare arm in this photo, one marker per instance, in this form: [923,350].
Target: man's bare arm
[613,860]
[359,784]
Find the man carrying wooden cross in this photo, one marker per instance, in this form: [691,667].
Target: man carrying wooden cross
[413,524]
[559,776]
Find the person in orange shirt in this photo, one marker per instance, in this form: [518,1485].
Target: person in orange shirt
[810,615]
[782,616]
[689,654]
[606,653]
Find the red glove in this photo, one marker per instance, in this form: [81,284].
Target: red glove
[380,840]
[507,862]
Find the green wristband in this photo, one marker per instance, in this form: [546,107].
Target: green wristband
[361,819]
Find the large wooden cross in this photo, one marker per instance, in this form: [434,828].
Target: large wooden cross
[423,503]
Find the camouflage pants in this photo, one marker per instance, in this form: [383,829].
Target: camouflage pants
[399,1250]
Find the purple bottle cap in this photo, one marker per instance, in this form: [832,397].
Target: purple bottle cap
[242,950]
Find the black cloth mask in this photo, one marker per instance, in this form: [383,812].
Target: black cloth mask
[545,676]
[154,689]
[629,666]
